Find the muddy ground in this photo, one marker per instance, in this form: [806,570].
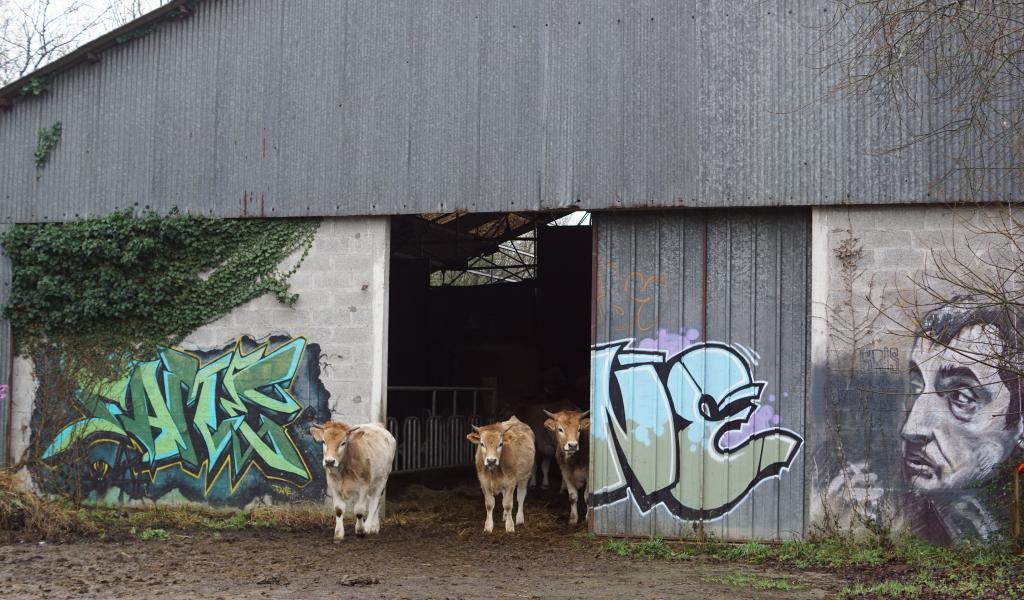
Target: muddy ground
[428,548]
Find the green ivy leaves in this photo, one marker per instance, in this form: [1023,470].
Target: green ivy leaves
[48,139]
[119,285]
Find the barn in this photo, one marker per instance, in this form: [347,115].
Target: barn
[652,208]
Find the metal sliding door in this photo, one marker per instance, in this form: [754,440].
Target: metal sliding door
[699,373]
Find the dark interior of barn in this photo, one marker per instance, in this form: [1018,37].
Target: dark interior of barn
[488,313]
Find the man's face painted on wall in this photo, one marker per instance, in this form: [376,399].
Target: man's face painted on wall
[953,436]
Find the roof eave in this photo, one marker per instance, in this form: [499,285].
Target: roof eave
[88,51]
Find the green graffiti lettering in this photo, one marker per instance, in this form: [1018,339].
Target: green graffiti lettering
[234,410]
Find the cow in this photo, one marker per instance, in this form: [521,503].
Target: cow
[534,416]
[504,461]
[571,430]
[357,461]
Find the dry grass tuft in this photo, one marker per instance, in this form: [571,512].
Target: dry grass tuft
[34,517]
[295,517]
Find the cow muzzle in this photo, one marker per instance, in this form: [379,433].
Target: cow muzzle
[571,447]
[330,462]
[491,462]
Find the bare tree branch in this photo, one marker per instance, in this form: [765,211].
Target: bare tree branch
[949,72]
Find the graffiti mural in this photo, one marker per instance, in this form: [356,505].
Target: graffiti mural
[218,426]
[678,431]
[961,400]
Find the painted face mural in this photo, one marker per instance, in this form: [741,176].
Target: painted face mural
[214,426]
[956,432]
[664,429]
[962,424]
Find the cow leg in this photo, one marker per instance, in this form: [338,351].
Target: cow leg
[521,498]
[545,467]
[533,474]
[339,519]
[508,495]
[361,512]
[376,497]
[573,499]
[489,507]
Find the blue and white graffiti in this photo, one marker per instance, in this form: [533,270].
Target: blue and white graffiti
[660,427]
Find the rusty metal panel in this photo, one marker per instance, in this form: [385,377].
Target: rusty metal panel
[6,357]
[699,373]
[258,107]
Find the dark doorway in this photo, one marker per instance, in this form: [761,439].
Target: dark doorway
[488,313]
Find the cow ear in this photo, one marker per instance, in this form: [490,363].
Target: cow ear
[474,437]
[585,423]
[551,424]
[317,432]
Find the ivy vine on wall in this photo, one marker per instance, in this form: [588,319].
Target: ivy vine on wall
[119,286]
[48,138]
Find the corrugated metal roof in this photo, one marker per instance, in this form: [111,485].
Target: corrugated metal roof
[262,107]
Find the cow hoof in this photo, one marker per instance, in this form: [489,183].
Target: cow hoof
[360,534]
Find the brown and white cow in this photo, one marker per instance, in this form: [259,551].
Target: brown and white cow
[571,430]
[534,415]
[357,461]
[504,461]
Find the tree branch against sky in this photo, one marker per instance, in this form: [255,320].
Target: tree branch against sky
[36,32]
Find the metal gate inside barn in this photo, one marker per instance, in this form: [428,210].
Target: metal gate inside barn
[698,373]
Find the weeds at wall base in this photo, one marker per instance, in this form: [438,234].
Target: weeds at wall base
[906,568]
[26,516]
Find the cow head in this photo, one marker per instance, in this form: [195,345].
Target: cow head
[490,441]
[568,426]
[335,437]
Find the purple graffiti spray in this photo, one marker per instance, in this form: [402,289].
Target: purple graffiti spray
[3,392]
[671,343]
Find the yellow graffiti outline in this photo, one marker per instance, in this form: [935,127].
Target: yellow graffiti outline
[204,465]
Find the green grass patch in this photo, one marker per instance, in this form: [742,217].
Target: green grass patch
[886,589]
[154,534]
[907,568]
[759,582]
[651,548]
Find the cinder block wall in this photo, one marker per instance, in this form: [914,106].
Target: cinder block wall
[863,334]
[339,327]
[342,287]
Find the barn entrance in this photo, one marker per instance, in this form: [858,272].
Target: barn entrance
[489,313]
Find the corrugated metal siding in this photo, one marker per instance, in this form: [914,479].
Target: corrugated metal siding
[5,357]
[717,289]
[258,107]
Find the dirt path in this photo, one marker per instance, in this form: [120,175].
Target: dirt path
[430,547]
[401,563]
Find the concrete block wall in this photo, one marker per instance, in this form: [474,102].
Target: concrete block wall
[341,313]
[864,331]
[342,307]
